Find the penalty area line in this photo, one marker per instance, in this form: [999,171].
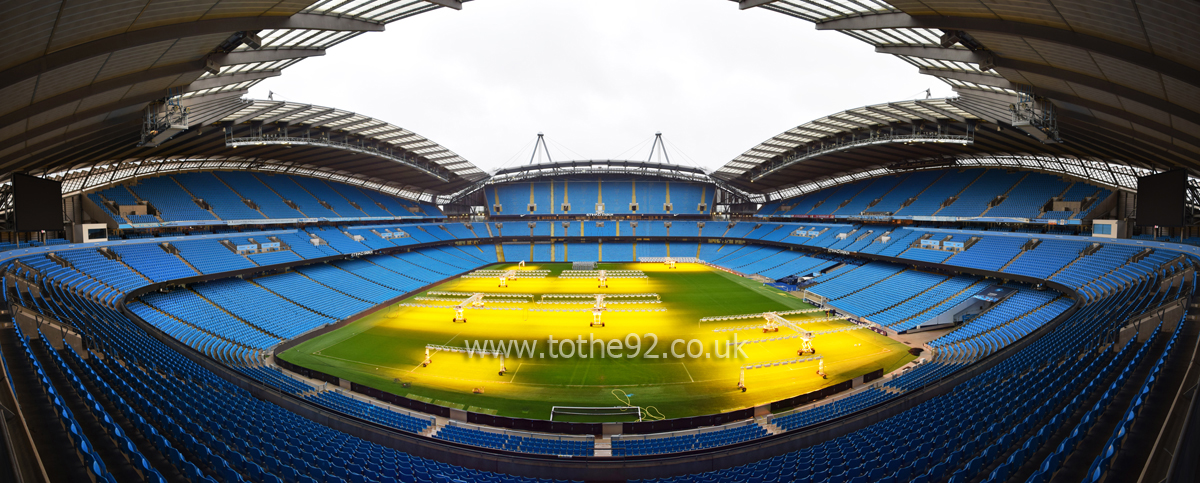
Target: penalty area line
[686,371]
[358,362]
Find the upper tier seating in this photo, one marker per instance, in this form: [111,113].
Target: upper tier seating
[929,202]
[616,194]
[910,185]
[210,256]
[973,202]
[242,195]
[171,201]
[1027,199]
[223,202]
[321,191]
[248,186]
[286,187]
[1025,195]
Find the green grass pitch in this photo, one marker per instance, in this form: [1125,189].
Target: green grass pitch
[385,350]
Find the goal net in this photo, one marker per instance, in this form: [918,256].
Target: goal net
[558,411]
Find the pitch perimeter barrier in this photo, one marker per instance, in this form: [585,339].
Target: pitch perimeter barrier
[538,425]
[680,424]
[797,401]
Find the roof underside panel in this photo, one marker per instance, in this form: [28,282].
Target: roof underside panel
[1122,77]
[75,76]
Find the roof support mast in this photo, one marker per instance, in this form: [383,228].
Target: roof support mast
[541,141]
[662,149]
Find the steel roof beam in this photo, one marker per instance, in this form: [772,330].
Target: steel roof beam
[324,123]
[396,137]
[368,127]
[264,55]
[454,4]
[379,135]
[943,112]
[80,116]
[913,113]
[176,70]
[257,112]
[318,113]
[88,129]
[1101,84]
[840,129]
[806,137]
[819,134]
[981,79]
[277,117]
[229,79]
[983,112]
[97,141]
[747,4]
[365,120]
[885,114]
[1110,48]
[1129,137]
[848,121]
[879,120]
[935,53]
[1128,116]
[190,28]
[5,162]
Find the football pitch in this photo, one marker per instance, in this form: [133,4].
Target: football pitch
[657,355]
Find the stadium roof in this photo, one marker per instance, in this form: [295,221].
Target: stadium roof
[876,140]
[599,166]
[76,76]
[1123,76]
[556,169]
[797,152]
[338,145]
[1109,81]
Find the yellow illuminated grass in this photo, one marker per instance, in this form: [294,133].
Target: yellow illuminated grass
[385,350]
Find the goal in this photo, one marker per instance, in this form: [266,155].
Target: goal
[635,411]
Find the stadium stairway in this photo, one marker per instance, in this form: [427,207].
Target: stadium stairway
[1159,414]
[1075,467]
[918,294]
[1004,196]
[1095,284]
[246,201]
[205,207]
[949,201]
[116,459]
[45,426]
[1077,429]
[117,258]
[1024,248]
[1081,256]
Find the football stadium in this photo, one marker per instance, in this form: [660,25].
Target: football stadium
[204,286]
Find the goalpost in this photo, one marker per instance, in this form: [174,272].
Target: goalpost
[596,411]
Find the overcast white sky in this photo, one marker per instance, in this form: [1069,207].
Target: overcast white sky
[599,77]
